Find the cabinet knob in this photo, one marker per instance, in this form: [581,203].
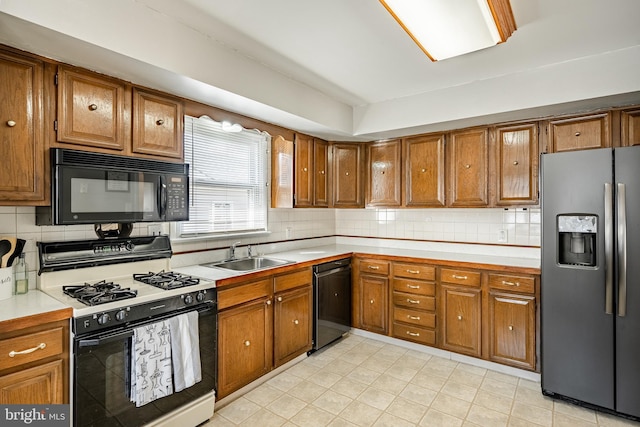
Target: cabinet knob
[382,172]
[279,299]
[304,169]
[93,107]
[346,173]
[371,302]
[321,172]
[510,327]
[295,322]
[247,343]
[459,317]
[423,170]
[515,163]
[467,166]
[335,295]
[577,133]
[268,302]
[11,123]
[159,122]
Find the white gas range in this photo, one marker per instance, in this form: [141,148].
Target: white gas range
[112,306]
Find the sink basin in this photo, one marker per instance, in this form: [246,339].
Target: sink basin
[249,264]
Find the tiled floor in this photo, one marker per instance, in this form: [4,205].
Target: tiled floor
[363,382]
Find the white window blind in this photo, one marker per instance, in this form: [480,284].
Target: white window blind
[228,179]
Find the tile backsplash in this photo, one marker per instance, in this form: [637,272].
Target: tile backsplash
[512,226]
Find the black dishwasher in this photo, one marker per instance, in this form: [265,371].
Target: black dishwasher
[332,301]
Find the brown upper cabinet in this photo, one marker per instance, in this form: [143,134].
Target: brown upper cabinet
[424,170]
[104,114]
[630,127]
[384,173]
[346,162]
[468,168]
[579,133]
[22,176]
[311,172]
[157,124]
[281,172]
[517,164]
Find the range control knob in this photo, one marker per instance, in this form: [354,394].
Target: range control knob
[200,297]
[103,318]
[188,299]
[121,315]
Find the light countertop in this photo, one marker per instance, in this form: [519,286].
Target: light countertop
[32,303]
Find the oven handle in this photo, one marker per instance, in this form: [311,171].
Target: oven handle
[92,342]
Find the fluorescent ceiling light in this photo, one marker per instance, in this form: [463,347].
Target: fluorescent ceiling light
[448,28]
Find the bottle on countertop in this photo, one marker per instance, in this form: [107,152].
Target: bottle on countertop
[21,276]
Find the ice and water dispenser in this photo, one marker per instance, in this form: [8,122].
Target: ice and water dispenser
[577,240]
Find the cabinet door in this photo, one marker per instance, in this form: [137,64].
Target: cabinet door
[468,168]
[512,329]
[347,175]
[303,171]
[293,324]
[580,133]
[424,171]
[22,176]
[321,173]
[461,320]
[383,165]
[517,164]
[373,303]
[40,385]
[91,110]
[245,344]
[157,125]
[281,173]
[630,128]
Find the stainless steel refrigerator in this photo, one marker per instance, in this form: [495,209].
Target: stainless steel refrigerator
[590,287]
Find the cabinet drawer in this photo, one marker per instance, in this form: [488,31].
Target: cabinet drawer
[419,302]
[35,346]
[292,280]
[374,267]
[243,293]
[421,335]
[460,277]
[414,271]
[512,283]
[414,287]
[418,318]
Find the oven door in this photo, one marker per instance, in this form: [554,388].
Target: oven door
[102,370]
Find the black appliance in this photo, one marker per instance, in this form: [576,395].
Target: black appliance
[332,302]
[101,292]
[94,188]
[590,288]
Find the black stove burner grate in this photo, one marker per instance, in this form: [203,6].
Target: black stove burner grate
[99,292]
[166,279]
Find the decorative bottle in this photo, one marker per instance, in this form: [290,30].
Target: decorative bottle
[21,276]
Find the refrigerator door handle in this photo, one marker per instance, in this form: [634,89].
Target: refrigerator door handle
[621,200]
[608,247]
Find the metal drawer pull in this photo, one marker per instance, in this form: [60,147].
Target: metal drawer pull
[27,351]
[505,282]
[510,328]
[93,107]
[413,301]
[459,317]
[11,123]
[413,334]
[577,133]
[413,317]
[455,276]
[413,286]
[247,343]
[295,322]
[373,267]
[413,271]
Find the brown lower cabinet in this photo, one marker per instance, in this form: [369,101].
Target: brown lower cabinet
[262,323]
[34,364]
[370,297]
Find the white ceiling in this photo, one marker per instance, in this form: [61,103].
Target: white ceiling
[342,69]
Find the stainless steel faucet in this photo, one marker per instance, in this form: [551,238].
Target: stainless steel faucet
[232,250]
[249,254]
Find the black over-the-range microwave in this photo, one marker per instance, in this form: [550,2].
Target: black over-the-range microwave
[94,188]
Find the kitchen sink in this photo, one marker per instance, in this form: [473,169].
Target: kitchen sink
[249,264]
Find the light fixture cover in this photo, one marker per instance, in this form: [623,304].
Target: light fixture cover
[448,28]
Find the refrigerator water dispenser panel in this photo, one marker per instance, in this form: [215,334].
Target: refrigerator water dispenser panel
[577,240]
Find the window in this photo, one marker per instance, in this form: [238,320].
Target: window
[228,179]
